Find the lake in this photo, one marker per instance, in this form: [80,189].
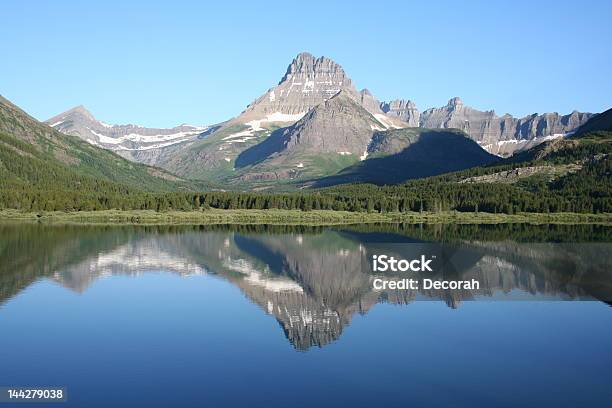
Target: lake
[286,316]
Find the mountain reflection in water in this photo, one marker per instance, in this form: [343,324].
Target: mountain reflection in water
[313,280]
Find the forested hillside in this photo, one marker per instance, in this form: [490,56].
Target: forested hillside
[35,154]
[585,189]
[41,168]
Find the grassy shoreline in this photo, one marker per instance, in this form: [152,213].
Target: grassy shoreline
[296,217]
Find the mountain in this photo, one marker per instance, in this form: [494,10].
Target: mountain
[590,143]
[562,175]
[598,123]
[36,156]
[128,141]
[570,174]
[264,143]
[503,135]
[405,110]
[397,155]
[329,137]
[308,81]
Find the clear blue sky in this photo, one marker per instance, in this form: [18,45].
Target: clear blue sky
[165,63]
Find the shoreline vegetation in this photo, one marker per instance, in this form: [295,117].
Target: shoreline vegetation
[296,217]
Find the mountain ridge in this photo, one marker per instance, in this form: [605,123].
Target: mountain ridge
[34,154]
[339,127]
[218,152]
[398,155]
[501,135]
[126,140]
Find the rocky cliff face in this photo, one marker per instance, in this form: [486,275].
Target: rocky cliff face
[338,125]
[127,140]
[502,135]
[404,110]
[307,82]
[369,102]
[338,129]
[599,122]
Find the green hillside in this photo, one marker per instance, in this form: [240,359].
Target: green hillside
[34,154]
[42,169]
[563,175]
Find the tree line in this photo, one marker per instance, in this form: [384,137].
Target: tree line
[32,185]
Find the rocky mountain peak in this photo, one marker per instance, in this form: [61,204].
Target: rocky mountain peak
[405,110]
[307,67]
[307,82]
[126,140]
[79,110]
[339,97]
[369,101]
[339,124]
[455,103]
[79,115]
[338,127]
[501,135]
[397,104]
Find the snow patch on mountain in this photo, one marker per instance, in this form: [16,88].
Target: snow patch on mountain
[503,147]
[276,117]
[138,138]
[385,121]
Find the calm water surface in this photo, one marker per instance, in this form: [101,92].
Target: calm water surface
[287,316]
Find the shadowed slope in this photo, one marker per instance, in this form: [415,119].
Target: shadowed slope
[403,154]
